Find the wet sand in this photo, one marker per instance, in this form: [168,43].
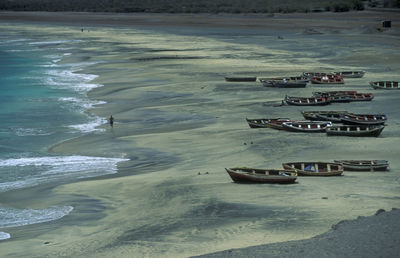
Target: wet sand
[180,124]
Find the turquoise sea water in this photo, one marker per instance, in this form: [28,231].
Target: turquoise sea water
[42,103]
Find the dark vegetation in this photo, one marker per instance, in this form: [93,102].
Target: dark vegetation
[191,6]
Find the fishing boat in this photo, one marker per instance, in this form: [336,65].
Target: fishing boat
[306,126]
[283,83]
[269,176]
[340,98]
[306,101]
[315,74]
[315,168]
[275,123]
[361,97]
[240,79]
[385,85]
[363,119]
[327,79]
[351,74]
[333,116]
[292,78]
[344,96]
[355,130]
[333,93]
[364,165]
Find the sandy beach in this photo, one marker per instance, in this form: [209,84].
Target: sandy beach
[180,124]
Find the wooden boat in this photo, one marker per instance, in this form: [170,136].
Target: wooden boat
[315,168]
[355,130]
[292,78]
[306,126]
[344,96]
[270,176]
[240,79]
[283,83]
[351,74]
[361,97]
[327,79]
[333,93]
[315,74]
[363,119]
[340,98]
[333,116]
[275,123]
[364,165]
[307,101]
[385,85]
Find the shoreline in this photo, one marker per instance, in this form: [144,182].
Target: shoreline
[378,231]
[126,134]
[285,21]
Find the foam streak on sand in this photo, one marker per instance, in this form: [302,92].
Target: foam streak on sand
[53,169]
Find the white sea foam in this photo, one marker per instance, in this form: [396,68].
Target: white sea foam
[4,235]
[90,126]
[51,169]
[31,132]
[68,79]
[54,42]
[83,103]
[10,217]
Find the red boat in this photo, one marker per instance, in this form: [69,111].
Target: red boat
[307,101]
[327,79]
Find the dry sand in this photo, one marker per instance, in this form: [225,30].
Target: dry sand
[181,124]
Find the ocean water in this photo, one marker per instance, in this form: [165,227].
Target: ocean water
[42,103]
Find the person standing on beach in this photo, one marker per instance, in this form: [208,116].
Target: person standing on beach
[111,120]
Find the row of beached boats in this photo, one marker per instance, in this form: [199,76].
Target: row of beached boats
[351,124]
[321,98]
[313,77]
[291,170]
[355,125]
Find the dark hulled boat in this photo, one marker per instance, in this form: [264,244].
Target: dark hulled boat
[364,165]
[269,176]
[283,83]
[385,85]
[333,116]
[240,78]
[315,168]
[355,130]
[307,101]
[363,119]
[360,97]
[275,123]
[351,74]
[333,93]
[306,126]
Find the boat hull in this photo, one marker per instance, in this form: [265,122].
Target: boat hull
[313,101]
[275,123]
[364,165]
[355,130]
[385,85]
[240,79]
[261,176]
[315,168]
[307,127]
